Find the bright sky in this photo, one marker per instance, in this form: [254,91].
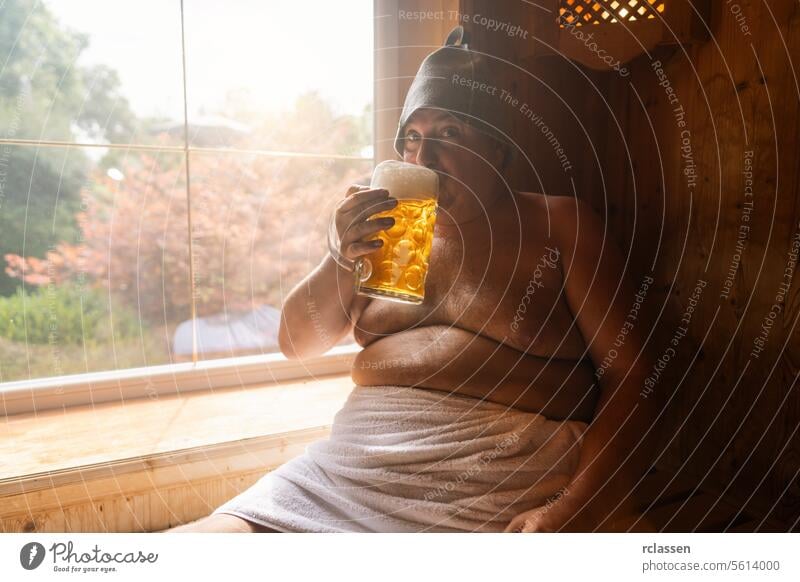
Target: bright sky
[270,50]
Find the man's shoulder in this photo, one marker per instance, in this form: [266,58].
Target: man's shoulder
[565,212]
[572,224]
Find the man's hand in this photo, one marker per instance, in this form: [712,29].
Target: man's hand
[560,517]
[556,517]
[534,521]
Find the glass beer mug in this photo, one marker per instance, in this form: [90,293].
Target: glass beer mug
[397,270]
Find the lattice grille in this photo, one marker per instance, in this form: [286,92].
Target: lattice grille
[584,12]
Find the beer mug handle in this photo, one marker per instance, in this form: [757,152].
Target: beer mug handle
[362,268]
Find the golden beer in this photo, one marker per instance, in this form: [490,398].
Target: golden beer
[397,270]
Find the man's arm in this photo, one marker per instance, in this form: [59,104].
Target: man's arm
[319,311]
[613,455]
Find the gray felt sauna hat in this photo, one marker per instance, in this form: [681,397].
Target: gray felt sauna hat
[458,80]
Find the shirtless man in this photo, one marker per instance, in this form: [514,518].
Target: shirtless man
[525,297]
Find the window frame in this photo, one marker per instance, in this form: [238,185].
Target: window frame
[61,392]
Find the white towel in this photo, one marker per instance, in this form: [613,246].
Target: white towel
[405,459]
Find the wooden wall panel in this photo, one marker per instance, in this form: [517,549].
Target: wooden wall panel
[729,416]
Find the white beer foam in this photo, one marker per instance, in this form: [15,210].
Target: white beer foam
[405,181]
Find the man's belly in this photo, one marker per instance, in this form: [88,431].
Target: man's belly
[451,359]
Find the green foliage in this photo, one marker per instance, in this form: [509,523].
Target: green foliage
[40,201]
[64,315]
[43,94]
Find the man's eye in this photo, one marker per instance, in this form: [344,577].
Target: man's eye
[412,137]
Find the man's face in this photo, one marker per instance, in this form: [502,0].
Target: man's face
[461,155]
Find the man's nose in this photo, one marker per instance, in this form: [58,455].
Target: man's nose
[427,153]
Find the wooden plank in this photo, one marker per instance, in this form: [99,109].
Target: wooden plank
[750,526]
[690,516]
[768,423]
[662,487]
[710,95]
[153,509]
[757,526]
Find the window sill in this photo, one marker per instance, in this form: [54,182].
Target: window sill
[179,455]
[31,396]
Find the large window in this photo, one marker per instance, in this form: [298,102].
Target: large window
[123,122]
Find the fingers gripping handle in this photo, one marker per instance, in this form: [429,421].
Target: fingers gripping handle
[361,267]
